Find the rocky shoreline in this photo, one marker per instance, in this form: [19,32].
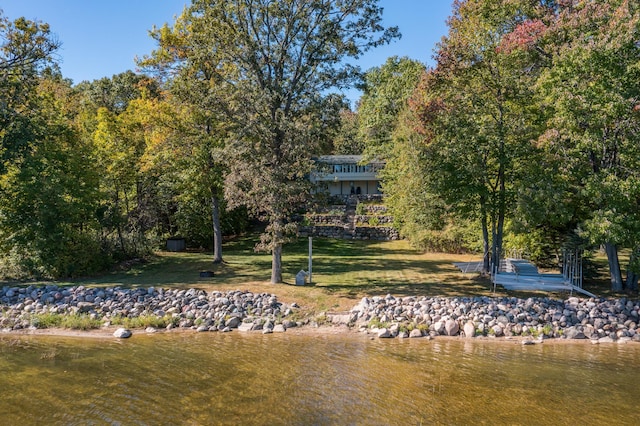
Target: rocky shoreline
[598,320]
[32,308]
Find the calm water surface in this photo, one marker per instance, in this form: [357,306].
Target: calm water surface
[251,379]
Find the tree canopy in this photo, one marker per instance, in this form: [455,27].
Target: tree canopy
[593,128]
[269,68]
[27,48]
[386,90]
[529,120]
[524,133]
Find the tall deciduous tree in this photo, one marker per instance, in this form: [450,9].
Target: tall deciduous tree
[193,87]
[474,109]
[386,90]
[26,48]
[48,196]
[269,66]
[593,95]
[112,119]
[47,186]
[347,140]
[181,152]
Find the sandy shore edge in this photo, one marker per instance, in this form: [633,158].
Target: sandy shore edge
[308,330]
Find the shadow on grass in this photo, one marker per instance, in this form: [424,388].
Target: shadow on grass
[445,288]
[341,268]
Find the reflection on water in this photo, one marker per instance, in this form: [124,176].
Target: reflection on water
[234,378]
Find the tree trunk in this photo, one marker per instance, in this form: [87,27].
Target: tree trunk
[276,264]
[632,281]
[495,249]
[502,207]
[119,225]
[276,228]
[632,274]
[495,257]
[614,266]
[497,224]
[486,264]
[217,231]
[121,238]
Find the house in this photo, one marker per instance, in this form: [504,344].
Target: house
[347,175]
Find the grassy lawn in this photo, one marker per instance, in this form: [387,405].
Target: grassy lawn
[343,272]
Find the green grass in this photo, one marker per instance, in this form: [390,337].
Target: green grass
[598,279]
[343,272]
[142,321]
[74,322]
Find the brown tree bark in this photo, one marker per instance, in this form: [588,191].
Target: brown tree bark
[217,231]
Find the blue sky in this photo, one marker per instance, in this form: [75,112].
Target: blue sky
[101,38]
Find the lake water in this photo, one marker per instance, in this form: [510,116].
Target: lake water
[287,379]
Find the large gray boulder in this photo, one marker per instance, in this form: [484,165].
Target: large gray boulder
[384,333]
[233,322]
[574,333]
[451,327]
[497,330]
[415,333]
[245,326]
[438,327]
[469,329]
[122,333]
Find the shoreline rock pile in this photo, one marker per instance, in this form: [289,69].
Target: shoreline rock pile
[600,320]
[184,308]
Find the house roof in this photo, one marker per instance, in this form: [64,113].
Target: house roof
[342,159]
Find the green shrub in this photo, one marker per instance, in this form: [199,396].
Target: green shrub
[450,239]
[55,320]
[376,323]
[321,318]
[80,322]
[143,321]
[46,320]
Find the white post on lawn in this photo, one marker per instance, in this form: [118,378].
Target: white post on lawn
[310,256]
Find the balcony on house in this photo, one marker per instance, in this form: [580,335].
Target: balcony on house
[347,175]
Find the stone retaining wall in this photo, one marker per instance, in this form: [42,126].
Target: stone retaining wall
[375,209]
[378,233]
[342,199]
[331,209]
[326,231]
[368,218]
[326,219]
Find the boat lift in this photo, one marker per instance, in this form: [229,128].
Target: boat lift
[521,274]
[515,273]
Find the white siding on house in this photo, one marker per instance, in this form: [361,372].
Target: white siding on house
[344,175]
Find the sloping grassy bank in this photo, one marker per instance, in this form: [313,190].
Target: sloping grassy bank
[343,272]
